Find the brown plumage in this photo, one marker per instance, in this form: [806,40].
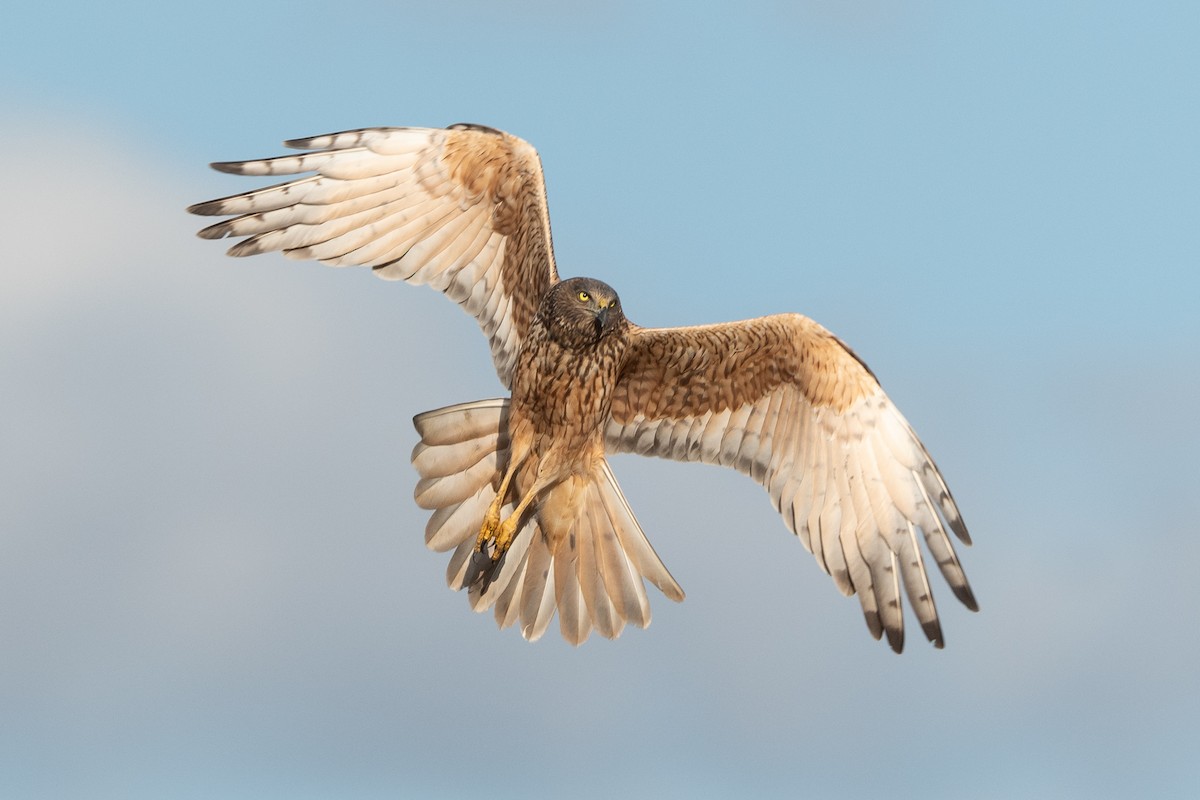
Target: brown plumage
[520,489]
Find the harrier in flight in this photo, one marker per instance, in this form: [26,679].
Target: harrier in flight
[520,488]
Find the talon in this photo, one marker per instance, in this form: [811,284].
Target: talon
[487,531]
[504,537]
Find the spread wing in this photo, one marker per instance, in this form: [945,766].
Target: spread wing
[784,401]
[461,209]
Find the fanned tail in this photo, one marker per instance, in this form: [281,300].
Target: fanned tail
[593,577]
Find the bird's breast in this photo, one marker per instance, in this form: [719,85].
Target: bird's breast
[565,394]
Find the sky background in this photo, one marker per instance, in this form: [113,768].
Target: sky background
[212,575]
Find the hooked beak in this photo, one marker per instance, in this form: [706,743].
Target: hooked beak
[602,317]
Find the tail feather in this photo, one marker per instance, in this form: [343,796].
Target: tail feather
[437,492]
[574,619]
[440,461]
[451,525]
[537,590]
[633,538]
[508,602]
[590,572]
[462,422]
[593,577]
[622,580]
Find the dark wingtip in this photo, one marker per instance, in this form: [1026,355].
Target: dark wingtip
[933,632]
[874,626]
[246,247]
[210,208]
[895,637]
[229,167]
[218,231]
[966,597]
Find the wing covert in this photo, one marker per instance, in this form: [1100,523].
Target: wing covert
[461,209]
[784,401]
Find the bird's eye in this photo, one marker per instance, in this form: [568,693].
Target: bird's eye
[583,297]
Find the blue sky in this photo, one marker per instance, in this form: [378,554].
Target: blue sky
[212,580]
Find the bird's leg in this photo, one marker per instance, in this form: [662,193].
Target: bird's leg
[507,530]
[491,517]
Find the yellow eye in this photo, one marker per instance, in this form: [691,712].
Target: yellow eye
[583,297]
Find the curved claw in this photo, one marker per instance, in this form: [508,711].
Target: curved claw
[490,527]
[504,537]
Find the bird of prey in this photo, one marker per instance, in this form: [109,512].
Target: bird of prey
[520,488]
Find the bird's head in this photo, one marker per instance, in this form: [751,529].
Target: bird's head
[582,311]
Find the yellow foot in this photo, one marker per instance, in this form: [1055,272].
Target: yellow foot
[504,537]
[489,528]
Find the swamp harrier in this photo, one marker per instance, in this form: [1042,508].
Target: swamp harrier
[520,488]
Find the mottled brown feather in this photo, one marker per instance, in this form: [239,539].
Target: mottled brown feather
[685,372]
[505,171]
[783,400]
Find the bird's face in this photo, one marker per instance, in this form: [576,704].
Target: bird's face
[584,310]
